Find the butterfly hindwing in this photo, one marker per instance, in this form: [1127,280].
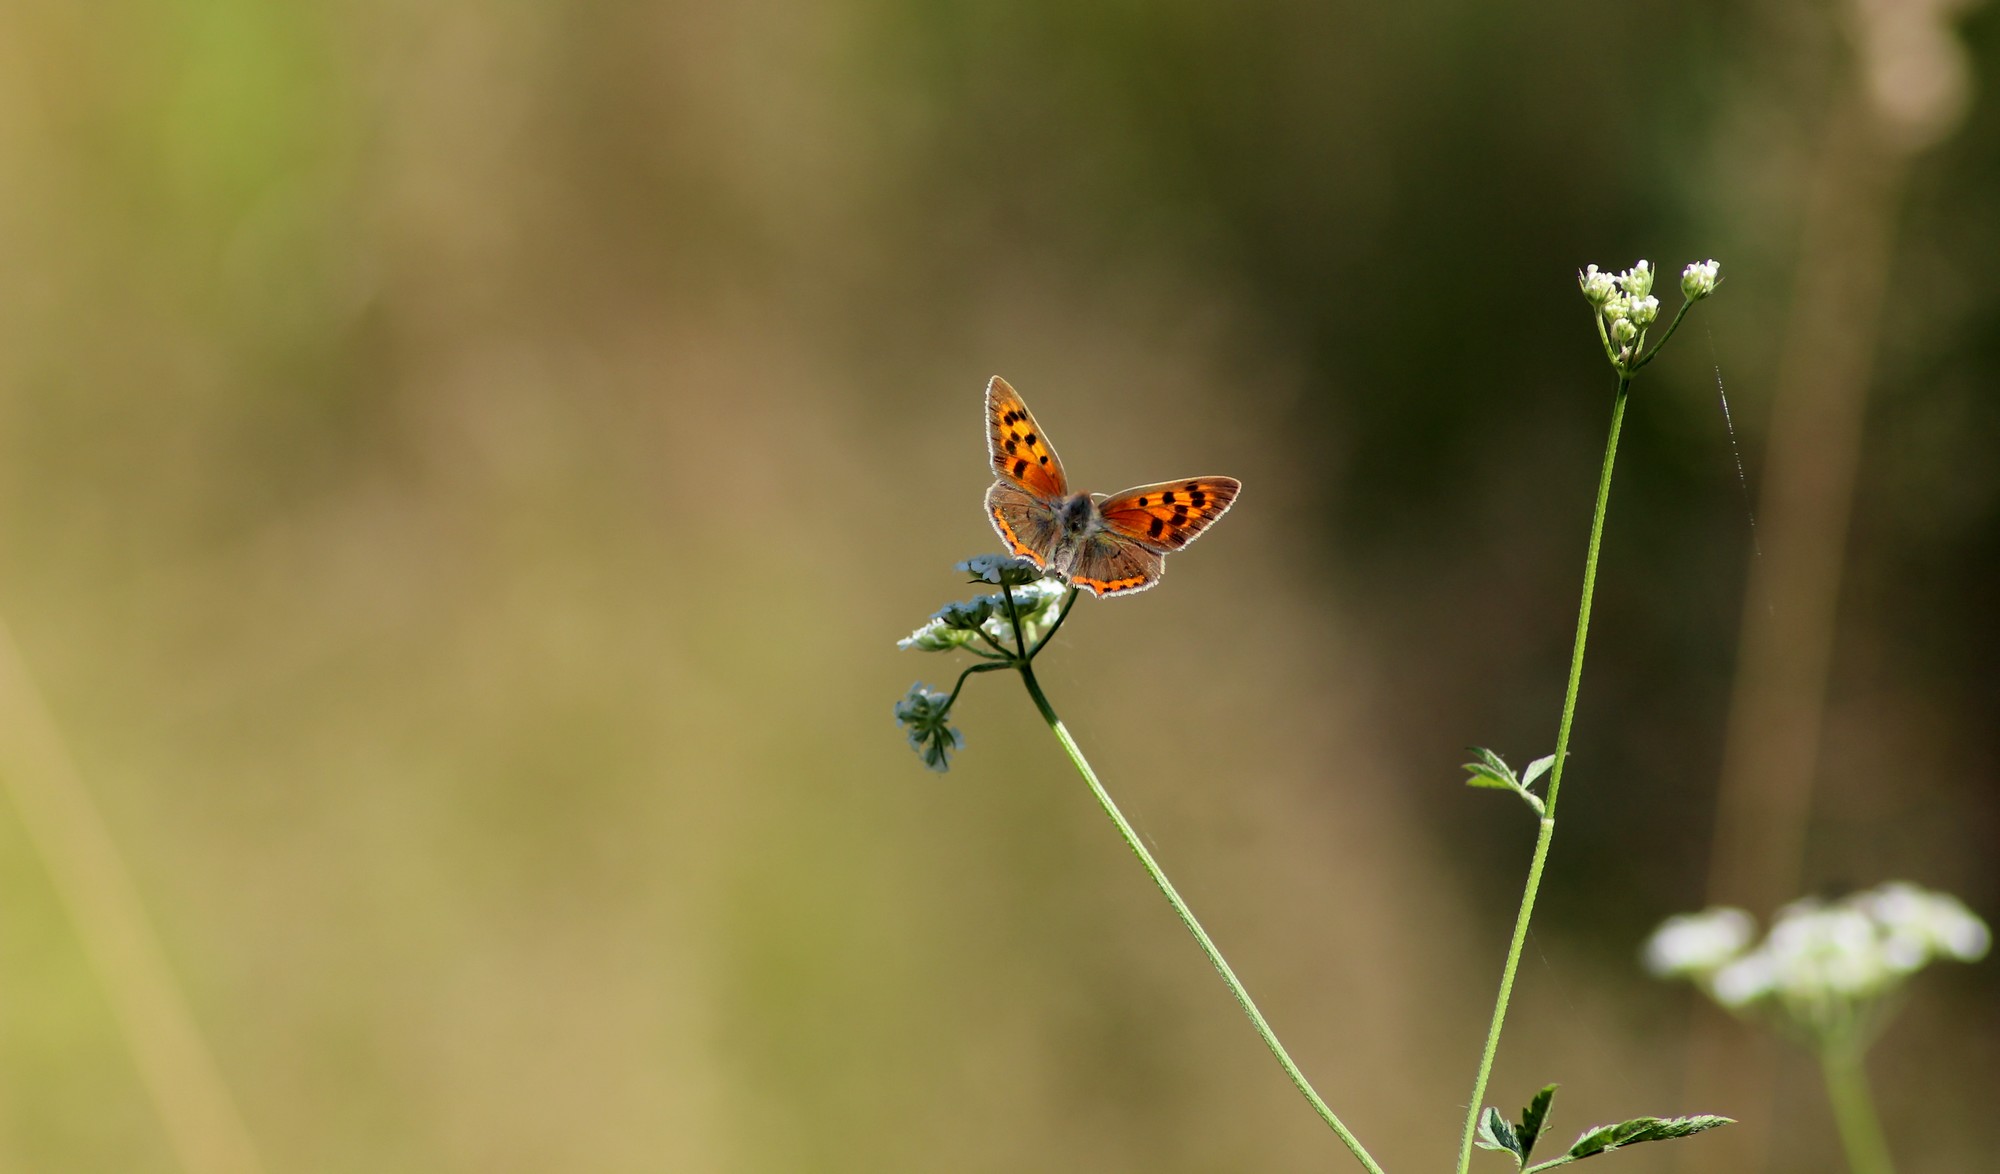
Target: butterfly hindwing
[1109,564]
[1170,514]
[1020,452]
[1027,524]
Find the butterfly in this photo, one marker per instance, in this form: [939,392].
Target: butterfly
[1112,545]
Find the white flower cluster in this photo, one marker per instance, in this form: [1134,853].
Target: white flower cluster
[1824,963]
[957,625]
[1626,300]
[1698,280]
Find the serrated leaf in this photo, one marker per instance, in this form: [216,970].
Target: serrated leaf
[1602,1139]
[1537,769]
[1533,1118]
[1496,1134]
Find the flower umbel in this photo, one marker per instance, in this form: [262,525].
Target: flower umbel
[1826,968]
[1638,280]
[1037,604]
[1626,308]
[1597,286]
[1000,569]
[1698,943]
[1004,631]
[922,714]
[1698,280]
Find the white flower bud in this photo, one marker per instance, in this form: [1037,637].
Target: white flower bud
[1698,280]
[1638,280]
[1597,287]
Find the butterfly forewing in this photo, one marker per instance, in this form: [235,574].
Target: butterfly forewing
[1021,454]
[1027,524]
[1170,514]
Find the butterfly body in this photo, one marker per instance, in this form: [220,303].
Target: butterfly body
[1111,544]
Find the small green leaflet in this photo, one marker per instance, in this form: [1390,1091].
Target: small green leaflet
[1490,770]
[1604,1138]
[1496,1134]
[1537,769]
[1534,1117]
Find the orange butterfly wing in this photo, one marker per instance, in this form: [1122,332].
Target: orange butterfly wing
[1026,523]
[1170,514]
[1112,564]
[1020,453]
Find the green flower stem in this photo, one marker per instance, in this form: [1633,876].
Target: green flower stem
[1208,946]
[967,675]
[1686,305]
[1854,1111]
[1062,614]
[1014,618]
[1555,781]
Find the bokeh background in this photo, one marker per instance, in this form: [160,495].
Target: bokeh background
[464,467]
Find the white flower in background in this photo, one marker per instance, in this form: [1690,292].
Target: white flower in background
[1825,966]
[1743,981]
[1922,925]
[1696,943]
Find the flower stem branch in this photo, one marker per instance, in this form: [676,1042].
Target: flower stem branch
[1069,600]
[1671,327]
[1548,822]
[1187,917]
[990,666]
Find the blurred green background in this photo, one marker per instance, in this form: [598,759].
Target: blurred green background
[466,466]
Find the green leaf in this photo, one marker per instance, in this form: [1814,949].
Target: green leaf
[1537,769]
[1533,1118]
[1496,1134]
[1490,770]
[1602,1139]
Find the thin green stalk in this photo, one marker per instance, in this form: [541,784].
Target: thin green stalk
[1854,1111]
[967,675]
[1548,828]
[1686,305]
[1187,917]
[1068,602]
